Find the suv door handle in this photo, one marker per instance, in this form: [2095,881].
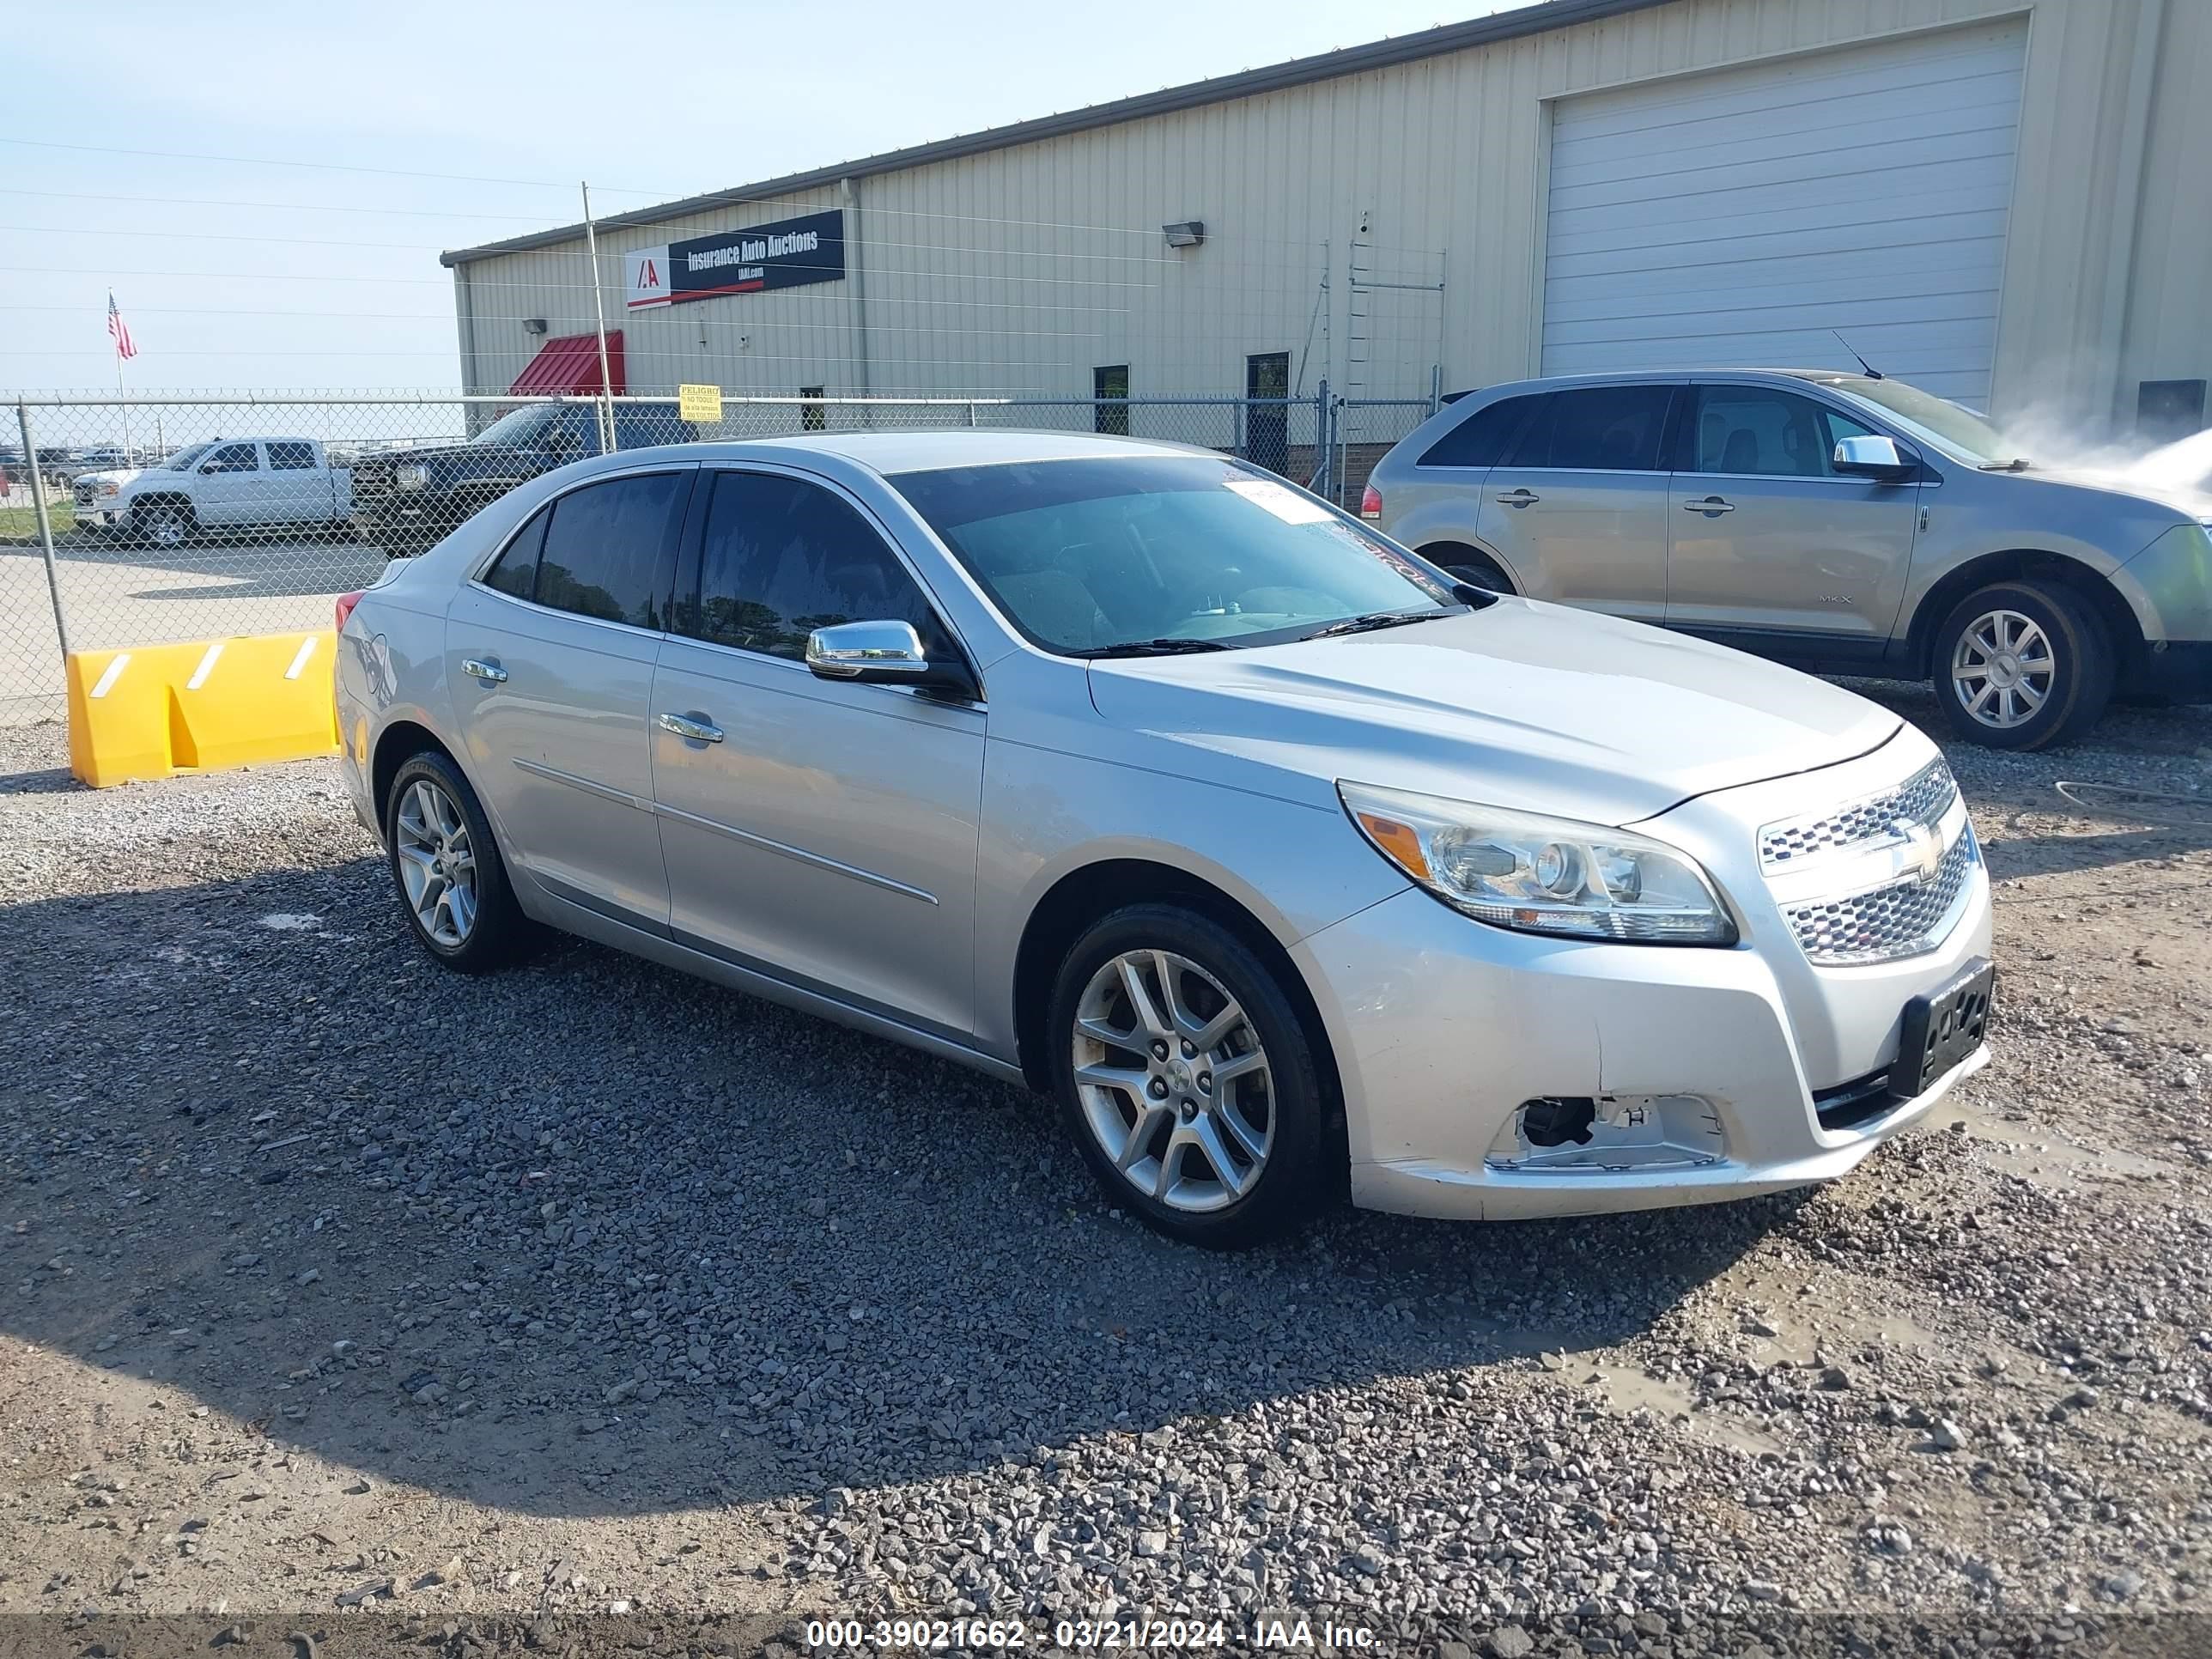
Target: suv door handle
[1710,506]
[1521,498]
[684,726]
[487,670]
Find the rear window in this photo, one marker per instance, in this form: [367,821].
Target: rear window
[1598,429]
[1480,440]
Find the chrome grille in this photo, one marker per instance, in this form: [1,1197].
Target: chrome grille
[1924,798]
[1898,919]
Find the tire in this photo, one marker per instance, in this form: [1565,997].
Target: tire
[495,930]
[163,525]
[1476,569]
[1279,1107]
[1987,648]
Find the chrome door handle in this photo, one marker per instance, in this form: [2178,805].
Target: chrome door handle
[696,729]
[1521,498]
[489,672]
[1711,504]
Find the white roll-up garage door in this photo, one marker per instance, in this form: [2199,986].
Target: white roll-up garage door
[1734,219]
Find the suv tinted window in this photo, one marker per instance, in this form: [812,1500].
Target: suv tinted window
[782,558]
[606,549]
[641,428]
[232,458]
[1597,428]
[1481,438]
[516,573]
[291,457]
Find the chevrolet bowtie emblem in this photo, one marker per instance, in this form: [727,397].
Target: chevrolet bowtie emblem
[1923,845]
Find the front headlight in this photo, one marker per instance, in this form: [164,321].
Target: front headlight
[108,487]
[1540,875]
[409,477]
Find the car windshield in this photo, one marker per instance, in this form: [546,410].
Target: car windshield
[1925,415]
[1157,553]
[520,427]
[183,461]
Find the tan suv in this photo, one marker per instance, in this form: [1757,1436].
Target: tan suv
[1842,523]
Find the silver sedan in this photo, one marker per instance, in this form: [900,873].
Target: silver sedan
[1285,863]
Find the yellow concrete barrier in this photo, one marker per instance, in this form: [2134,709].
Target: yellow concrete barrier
[155,711]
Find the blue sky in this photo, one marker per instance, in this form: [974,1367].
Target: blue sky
[237,274]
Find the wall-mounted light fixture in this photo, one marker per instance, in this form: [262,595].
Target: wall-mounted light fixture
[533,325]
[1189,233]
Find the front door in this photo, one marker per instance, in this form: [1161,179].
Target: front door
[816,830]
[549,654]
[1578,508]
[231,485]
[1771,547]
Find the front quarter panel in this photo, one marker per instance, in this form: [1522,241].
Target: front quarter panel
[1063,790]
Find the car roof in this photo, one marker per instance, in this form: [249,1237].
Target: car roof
[921,451]
[1844,378]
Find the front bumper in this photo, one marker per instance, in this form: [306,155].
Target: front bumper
[1442,1027]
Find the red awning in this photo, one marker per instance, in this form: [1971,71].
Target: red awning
[570,364]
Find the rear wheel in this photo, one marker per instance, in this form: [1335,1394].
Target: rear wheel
[447,867]
[2022,665]
[1187,1077]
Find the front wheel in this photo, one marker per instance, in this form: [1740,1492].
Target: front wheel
[452,883]
[1187,1079]
[162,526]
[2022,665]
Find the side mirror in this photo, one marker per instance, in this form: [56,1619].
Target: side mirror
[883,653]
[1873,457]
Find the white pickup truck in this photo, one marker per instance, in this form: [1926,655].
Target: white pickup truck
[227,485]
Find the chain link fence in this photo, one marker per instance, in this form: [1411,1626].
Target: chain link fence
[172,519]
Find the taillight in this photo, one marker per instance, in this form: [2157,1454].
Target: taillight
[1370,502]
[346,603]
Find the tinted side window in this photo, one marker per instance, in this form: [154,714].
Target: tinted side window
[1597,428]
[1751,431]
[641,428]
[782,558]
[606,549]
[232,458]
[1480,440]
[516,573]
[291,457]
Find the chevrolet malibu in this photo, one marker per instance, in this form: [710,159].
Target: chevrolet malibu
[1283,861]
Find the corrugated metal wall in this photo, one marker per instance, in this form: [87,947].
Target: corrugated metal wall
[1023,269]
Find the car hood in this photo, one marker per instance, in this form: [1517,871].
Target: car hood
[1518,704]
[117,475]
[2185,499]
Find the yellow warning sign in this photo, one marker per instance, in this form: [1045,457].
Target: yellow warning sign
[701,404]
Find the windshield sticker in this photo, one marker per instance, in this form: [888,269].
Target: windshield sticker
[1285,504]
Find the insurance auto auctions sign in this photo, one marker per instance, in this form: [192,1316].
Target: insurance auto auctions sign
[789,254]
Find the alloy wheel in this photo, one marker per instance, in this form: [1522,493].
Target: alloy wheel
[1174,1081]
[437,863]
[2002,669]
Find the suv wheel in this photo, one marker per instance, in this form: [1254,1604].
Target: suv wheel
[1466,564]
[1187,1079]
[447,867]
[2022,665]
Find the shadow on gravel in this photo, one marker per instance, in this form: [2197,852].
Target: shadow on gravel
[591,1238]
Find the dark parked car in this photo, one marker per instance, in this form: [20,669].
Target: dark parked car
[406,500]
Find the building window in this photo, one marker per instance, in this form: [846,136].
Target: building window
[813,414]
[1109,393]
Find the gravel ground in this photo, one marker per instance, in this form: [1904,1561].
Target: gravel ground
[590,1304]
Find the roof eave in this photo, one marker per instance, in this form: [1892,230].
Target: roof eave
[1538,19]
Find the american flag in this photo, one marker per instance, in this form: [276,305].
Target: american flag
[119,332]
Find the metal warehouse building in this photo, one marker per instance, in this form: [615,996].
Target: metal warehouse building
[2004,200]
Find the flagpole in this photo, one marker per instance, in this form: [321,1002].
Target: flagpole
[124,407]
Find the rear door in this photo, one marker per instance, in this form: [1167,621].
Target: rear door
[823,832]
[299,486]
[550,654]
[1578,508]
[1770,547]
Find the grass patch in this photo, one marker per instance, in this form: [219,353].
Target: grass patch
[20,524]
